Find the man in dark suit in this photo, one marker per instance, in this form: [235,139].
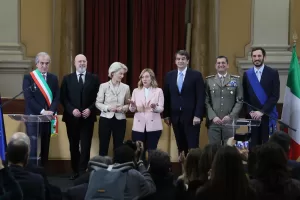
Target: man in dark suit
[78,96]
[9,187]
[51,192]
[32,185]
[261,89]
[37,102]
[184,94]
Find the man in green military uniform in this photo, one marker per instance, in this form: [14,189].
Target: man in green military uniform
[222,92]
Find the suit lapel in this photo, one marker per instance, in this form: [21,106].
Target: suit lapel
[187,75]
[263,76]
[87,79]
[174,79]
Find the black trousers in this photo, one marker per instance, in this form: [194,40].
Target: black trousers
[108,127]
[260,134]
[80,130]
[44,132]
[186,134]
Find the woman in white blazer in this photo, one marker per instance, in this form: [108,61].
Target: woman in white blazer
[112,101]
[147,102]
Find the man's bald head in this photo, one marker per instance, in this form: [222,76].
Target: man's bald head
[17,152]
[20,136]
[80,63]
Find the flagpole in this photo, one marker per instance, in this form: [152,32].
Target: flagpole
[295,38]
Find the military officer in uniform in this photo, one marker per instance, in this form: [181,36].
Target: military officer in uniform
[222,92]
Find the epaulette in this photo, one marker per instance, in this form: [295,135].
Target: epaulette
[235,76]
[210,76]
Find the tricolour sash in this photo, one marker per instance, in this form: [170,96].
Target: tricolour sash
[47,93]
[262,97]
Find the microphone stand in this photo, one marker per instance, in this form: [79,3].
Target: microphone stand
[277,120]
[7,102]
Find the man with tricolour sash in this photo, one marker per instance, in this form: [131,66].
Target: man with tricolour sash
[41,94]
[261,90]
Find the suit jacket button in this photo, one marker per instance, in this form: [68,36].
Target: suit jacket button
[151,120]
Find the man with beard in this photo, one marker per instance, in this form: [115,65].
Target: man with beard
[78,96]
[261,89]
[222,92]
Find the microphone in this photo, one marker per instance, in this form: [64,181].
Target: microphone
[241,100]
[31,87]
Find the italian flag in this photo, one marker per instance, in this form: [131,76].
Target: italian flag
[291,105]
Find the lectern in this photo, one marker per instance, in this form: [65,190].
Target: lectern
[34,152]
[242,128]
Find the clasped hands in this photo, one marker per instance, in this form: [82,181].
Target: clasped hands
[256,115]
[47,112]
[219,121]
[85,113]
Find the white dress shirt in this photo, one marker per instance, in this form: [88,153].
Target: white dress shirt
[83,76]
[146,92]
[220,75]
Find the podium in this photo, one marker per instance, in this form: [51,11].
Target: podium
[34,137]
[242,128]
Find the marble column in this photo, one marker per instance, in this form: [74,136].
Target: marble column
[66,40]
[12,63]
[270,30]
[199,35]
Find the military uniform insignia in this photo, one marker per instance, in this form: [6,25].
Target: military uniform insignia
[232,83]
[210,76]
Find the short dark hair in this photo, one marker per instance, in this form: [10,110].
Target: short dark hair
[17,152]
[281,138]
[131,144]
[124,154]
[257,49]
[183,53]
[223,57]
[160,162]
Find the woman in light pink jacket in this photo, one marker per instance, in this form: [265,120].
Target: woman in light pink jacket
[147,102]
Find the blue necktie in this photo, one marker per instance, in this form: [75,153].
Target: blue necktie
[180,81]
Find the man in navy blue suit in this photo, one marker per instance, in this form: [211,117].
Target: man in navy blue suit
[184,94]
[261,89]
[41,94]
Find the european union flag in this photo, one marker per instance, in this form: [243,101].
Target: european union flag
[2,134]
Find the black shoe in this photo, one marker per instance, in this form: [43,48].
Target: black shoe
[74,176]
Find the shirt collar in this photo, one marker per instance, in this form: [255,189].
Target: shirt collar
[80,73]
[183,71]
[261,69]
[220,76]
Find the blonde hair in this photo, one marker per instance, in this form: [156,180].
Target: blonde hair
[152,76]
[116,66]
